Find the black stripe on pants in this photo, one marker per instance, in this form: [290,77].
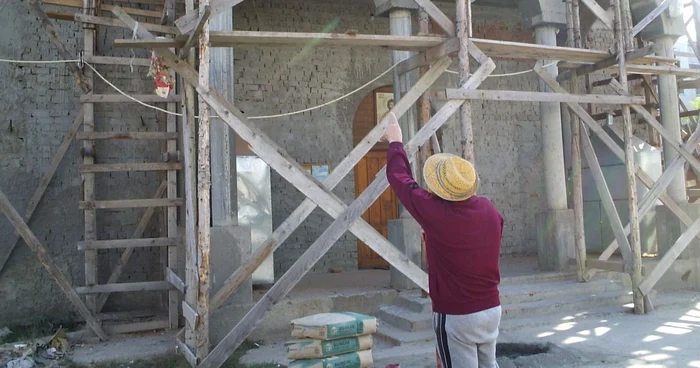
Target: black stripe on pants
[441,336]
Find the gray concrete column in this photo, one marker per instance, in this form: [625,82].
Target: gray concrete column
[670,118]
[224,205]
[400,25]
[552,136]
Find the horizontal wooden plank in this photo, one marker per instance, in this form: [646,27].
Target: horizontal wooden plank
[60,15]
[130,203]
[689,84]
[111,60]
[121,316]
[492,48]
[104,8]
[663,69]
[175,280]
[124,287]
[112,22]
[121,98]
[189,355]
[137,327]
[146,166]
[151,2]
[129,243]
[94,136]
[526,96]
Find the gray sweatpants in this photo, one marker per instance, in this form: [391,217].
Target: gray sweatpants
[467,341]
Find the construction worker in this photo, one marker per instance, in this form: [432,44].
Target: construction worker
[463,240]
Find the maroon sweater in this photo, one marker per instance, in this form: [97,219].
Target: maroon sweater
[463,241]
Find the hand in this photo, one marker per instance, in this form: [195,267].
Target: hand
[393,130]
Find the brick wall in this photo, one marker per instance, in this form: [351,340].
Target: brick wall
[39,104]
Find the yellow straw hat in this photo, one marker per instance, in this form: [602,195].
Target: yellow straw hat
[450,177]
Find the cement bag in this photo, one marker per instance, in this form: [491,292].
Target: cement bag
[312,348]
[360,359]
[328,326]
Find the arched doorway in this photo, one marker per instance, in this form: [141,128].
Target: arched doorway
[386,207]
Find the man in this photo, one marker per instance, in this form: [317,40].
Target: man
[463,240]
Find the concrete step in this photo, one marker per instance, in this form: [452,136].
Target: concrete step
[415,302]
[538,278]
[516,294]
[572,303]
[395,336]
[405,318]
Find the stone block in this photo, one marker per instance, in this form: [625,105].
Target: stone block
[405,234]
[229,246]
[669,228]
[555,239]
[537,13]
[383,7]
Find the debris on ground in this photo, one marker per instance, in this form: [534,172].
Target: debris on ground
[4,332]
[46,353]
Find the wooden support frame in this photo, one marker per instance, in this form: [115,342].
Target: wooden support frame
[599,12]
[335,177]
[440,19]
[226,347]
[111,22]
[43,184]
[194,35]
[189,21]
[35,245]
[604,64]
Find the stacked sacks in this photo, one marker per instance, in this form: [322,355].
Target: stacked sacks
[332,340]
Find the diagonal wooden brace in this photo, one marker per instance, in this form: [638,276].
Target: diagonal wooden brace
[673,143]
[188,22]
[45,258]
[283,163]
[234,338]
[334,178]
[667,260]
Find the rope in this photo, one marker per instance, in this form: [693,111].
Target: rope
[250,117]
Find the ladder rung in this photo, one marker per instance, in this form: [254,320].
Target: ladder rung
[129,243]
[105,8]
[110,60]
[124,99]
[147,166]
[93,136]
[130,203]
[125,287]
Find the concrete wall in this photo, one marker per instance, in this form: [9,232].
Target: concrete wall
[39,104]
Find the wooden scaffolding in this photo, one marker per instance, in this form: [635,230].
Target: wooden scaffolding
[197,101]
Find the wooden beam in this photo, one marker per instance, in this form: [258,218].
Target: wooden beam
[111,22]
[440,19]
[650,17]
[129,203]
[60,15]
[146,166]
[123,99]
[334,178]
[689,84]
[35,8]
[79,4]
[43,184]
[45,258]
[109,60]
[126,255]
[234,338]
[599,12]
[129,243]
[190,315]
[175,280]
[526,96]
[126,135]
[663,69]
[667,260]
[612,266]
[466,141]
[675,145]
[202,335]
[606,197]
[194,35]
[606,63]
[189,355]
[125,287]
[188,22]
[421,59]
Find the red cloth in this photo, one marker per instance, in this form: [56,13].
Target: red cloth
[462,239]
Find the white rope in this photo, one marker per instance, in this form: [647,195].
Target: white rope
[512,74]
[250,117]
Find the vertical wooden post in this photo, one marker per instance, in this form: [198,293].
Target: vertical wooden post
[465,112]
[203,192]
[423,118]
[574,39]
[89,159]
[635,241]
[696,19]
[189,147]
